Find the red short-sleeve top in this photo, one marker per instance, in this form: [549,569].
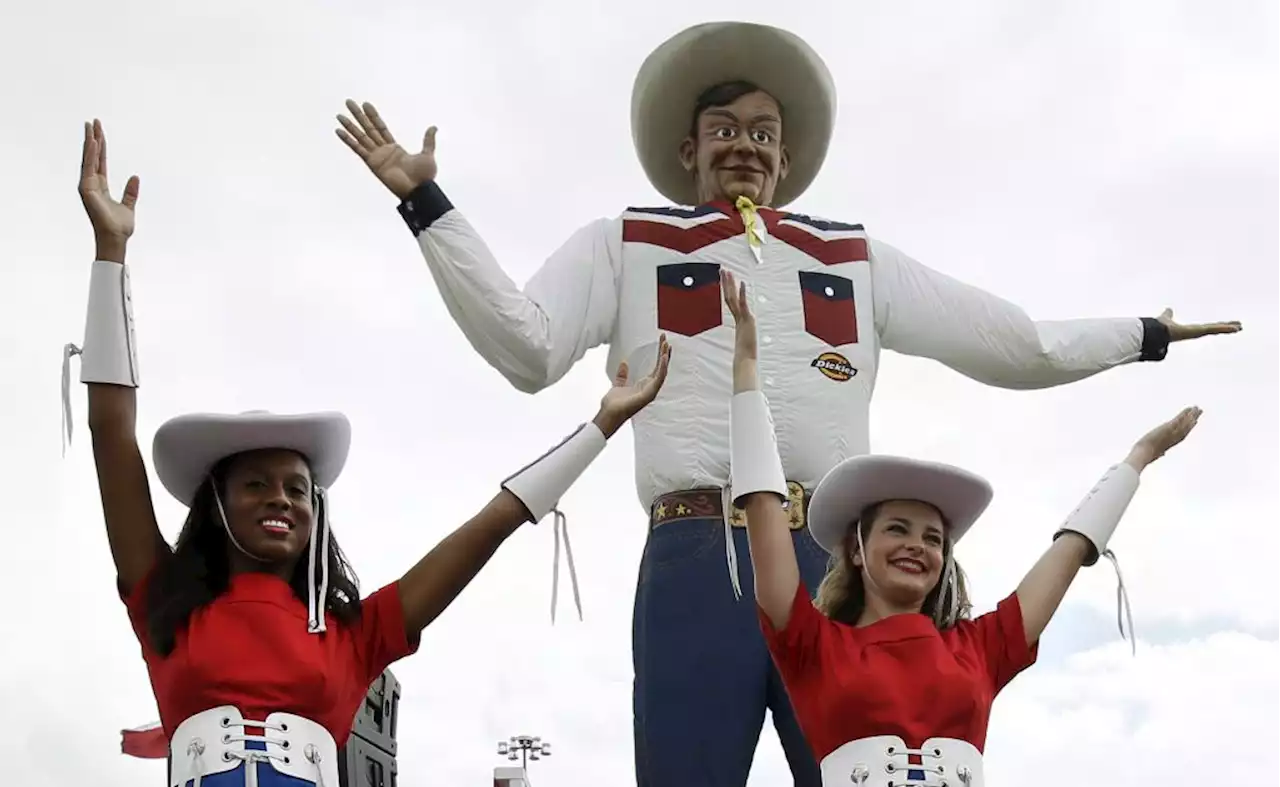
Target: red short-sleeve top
[898,676]
[250,648]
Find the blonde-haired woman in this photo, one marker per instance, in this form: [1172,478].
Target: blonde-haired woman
[891,682]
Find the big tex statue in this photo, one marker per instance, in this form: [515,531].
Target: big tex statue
[732,122]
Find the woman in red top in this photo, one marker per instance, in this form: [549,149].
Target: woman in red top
[259,647]
[891,681]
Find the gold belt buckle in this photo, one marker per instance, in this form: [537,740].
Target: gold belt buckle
[793,505]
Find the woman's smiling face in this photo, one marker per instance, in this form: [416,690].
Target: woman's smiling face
[904,551]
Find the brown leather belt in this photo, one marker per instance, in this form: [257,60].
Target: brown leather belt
[707,503]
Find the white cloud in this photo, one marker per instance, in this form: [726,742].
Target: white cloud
[1080,159]
[1175,715]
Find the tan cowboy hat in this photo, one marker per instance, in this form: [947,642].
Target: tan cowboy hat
[671,79]
[187,447]
[862,481]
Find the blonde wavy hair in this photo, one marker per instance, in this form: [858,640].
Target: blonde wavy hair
[842,597]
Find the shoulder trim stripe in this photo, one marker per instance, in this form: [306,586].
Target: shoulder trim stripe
[824,225]
[829,252]
[683,213]
[682,240]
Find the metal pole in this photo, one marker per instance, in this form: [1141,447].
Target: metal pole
[524,748]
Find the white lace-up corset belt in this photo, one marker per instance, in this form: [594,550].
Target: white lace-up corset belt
[886,761]
[218,741]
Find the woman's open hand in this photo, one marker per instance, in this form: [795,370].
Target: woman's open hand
[1155,443]
[627,397]
[112,221]
[746,348]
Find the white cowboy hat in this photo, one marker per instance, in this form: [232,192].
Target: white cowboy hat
[676,73]
[187,447]
[862,481]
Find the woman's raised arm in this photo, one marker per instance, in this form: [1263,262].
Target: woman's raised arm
[110,369]
[428,588]
[757,482]
[1083,538]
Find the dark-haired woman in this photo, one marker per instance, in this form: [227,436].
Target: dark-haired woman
[259,647]
[892,683]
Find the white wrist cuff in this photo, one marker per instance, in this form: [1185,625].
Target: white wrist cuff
[541,484]
[1099,513]
[110,350]
[754,464]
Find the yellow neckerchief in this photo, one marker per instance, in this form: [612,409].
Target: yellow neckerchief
[749,218]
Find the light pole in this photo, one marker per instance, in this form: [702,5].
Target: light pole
[524,748]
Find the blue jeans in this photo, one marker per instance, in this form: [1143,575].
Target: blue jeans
[703,674]
[267,776]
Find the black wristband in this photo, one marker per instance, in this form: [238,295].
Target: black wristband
[423,207]
[1155,340]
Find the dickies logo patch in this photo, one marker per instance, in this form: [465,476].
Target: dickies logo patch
[834,366]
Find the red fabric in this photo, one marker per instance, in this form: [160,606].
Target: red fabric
[898,676]
[250,648]
[149,743]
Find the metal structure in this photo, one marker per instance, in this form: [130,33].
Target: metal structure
[522,748]
[369,757]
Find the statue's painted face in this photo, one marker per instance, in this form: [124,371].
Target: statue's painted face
[736,150]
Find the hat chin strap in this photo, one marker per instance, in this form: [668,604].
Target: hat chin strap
[317,558]
[949,583]
[226,525]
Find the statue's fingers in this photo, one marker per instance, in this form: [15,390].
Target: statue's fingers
[379,125]
[88,154]
[352,143]
[358,133]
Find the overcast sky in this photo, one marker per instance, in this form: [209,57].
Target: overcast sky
[1079,158]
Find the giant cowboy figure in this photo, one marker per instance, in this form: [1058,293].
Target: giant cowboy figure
[734,120]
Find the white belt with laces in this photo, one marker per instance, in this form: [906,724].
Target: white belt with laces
[213,742]
[886,761]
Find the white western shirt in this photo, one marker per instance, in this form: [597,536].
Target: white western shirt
[827,298]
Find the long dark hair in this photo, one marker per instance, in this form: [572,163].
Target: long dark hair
[198,570]
[842,597]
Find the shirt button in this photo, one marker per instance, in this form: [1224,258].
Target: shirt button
[767,340]
[762,299]
[768,381]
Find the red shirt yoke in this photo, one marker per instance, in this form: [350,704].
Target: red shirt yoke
[250,648]
[898,676]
